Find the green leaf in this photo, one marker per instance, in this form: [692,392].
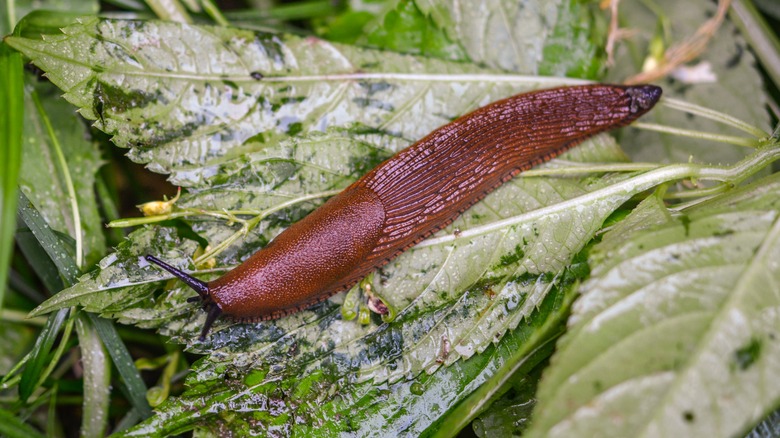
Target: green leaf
[48,248]
[40,357]
[147,84]
[12,108]
[520,364]
[58,250]
[97,379]
[324,404]
[283,12]
[406,29]
[59,164]
[650,212]
[347,28]
[531,37]
[675,333]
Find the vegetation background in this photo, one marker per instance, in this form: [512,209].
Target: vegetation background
[111,347]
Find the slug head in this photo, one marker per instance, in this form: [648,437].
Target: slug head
[202,288]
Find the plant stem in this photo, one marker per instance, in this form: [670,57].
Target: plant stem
[711,114]
[74,206]
[585,168]
[730,139]
[15,316]
[213,11]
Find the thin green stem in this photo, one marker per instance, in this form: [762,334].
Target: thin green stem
[711,114]
[135,221]
[730,139]
[585,168]
[224,214]
[290,203]
[15,316]
[697,193]
[213,11]
[11,6]
[222,245]
[170,10]
[685,205]
[51,421]
[11,135]
[74,206]
[11,383]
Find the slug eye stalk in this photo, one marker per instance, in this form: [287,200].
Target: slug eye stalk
[201,287]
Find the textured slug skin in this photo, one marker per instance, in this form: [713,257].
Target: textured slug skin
[417,192]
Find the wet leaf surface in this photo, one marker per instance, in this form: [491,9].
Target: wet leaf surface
[688,311]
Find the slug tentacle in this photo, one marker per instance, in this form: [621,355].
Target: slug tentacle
[201,287]
[212,313]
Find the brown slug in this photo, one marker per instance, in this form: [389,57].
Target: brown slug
[410,196]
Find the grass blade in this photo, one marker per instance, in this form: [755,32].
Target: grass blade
[13,427]
[136,388]
[97,379]
[12,108]
[39,356]
[57,250]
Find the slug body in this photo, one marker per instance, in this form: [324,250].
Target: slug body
[412,195]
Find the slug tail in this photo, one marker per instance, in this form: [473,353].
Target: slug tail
[201,287]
